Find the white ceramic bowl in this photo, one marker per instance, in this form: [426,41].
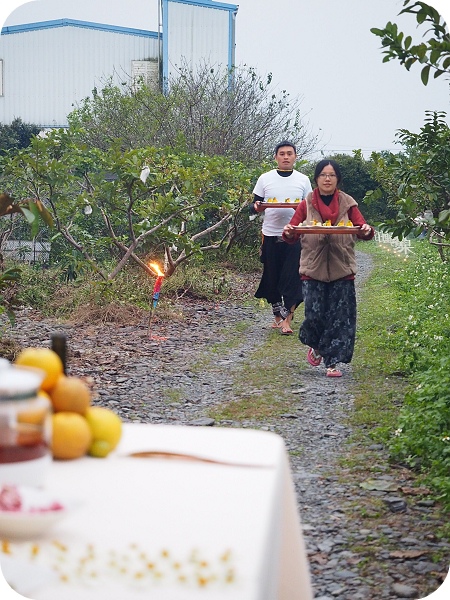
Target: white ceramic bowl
[36,515]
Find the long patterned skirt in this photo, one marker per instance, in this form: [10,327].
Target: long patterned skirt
[330,319]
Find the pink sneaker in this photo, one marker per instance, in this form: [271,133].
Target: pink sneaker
[313,358]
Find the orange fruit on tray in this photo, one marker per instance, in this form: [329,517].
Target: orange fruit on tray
[70,394]
[71,435]
[45,359]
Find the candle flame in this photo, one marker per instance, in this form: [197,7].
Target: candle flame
[156,269]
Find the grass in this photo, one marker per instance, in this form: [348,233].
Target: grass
[380,384]
[173,395]
[380,380]
[259,390]
[255,397]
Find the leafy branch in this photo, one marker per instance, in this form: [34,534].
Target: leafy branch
[433,53]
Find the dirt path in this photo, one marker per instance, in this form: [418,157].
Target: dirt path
[362,543]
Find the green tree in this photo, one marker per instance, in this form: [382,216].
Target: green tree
[32,211]
[204,111]
[17,135]
[432,54]
[142,201]
[417,179]
[418,182]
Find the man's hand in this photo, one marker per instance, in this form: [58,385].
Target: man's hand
[259,206]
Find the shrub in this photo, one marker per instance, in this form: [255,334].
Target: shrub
[422,439]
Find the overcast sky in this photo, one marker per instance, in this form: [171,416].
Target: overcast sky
[320,50]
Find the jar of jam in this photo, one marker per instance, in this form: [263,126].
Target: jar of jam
[25,426]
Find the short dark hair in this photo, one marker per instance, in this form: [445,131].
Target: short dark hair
[285,143]
[324,163]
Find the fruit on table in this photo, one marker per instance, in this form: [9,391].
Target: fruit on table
[35,416]
[70,394]
[106,428]
[45,359]
[71,435]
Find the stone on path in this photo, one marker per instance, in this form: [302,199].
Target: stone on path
[203,422]
[395,505]
[404,591]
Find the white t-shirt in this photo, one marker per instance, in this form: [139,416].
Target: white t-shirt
[273,185]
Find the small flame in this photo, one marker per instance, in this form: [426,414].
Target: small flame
[155,267]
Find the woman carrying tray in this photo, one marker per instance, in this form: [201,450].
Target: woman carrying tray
[280,283]
[328,268]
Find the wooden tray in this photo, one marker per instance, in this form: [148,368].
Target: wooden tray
[280,204]
[326,230]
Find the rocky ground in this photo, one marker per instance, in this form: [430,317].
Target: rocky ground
[373,542]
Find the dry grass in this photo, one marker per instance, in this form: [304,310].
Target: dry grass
[119,314]
[9,348]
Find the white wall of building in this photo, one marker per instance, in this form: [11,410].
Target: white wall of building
[47,68]
[50,66]
[197,31]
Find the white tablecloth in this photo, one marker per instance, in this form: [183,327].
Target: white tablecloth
[174,529]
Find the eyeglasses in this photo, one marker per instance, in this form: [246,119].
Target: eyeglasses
[327,175]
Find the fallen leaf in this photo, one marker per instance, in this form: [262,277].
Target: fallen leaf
[354,560]
[319,558]
[380,485]
[415,491]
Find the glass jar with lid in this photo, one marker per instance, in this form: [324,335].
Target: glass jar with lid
[25,426]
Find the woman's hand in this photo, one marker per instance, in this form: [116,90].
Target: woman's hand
[366,228]
[288,231]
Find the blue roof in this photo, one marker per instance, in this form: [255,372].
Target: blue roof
[74,23]
[209,4]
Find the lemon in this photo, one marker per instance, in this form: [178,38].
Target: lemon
[71,435]
[99,449]
[106,428]
[45,359]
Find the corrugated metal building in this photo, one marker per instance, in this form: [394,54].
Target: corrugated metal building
[196,30]
[46,68]
[49,66]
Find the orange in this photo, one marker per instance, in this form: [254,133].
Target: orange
[71,435]
[37,413]
[106,429]
[70,394]
[45,359]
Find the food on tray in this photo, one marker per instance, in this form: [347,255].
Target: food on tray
[285,201]
[349,224]
[341,224]
[327,223]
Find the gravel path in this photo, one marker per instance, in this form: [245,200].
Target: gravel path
[362,543]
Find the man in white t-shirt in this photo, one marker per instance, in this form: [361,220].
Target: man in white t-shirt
[280,282]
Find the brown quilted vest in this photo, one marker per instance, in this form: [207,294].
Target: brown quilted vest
[328,257]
